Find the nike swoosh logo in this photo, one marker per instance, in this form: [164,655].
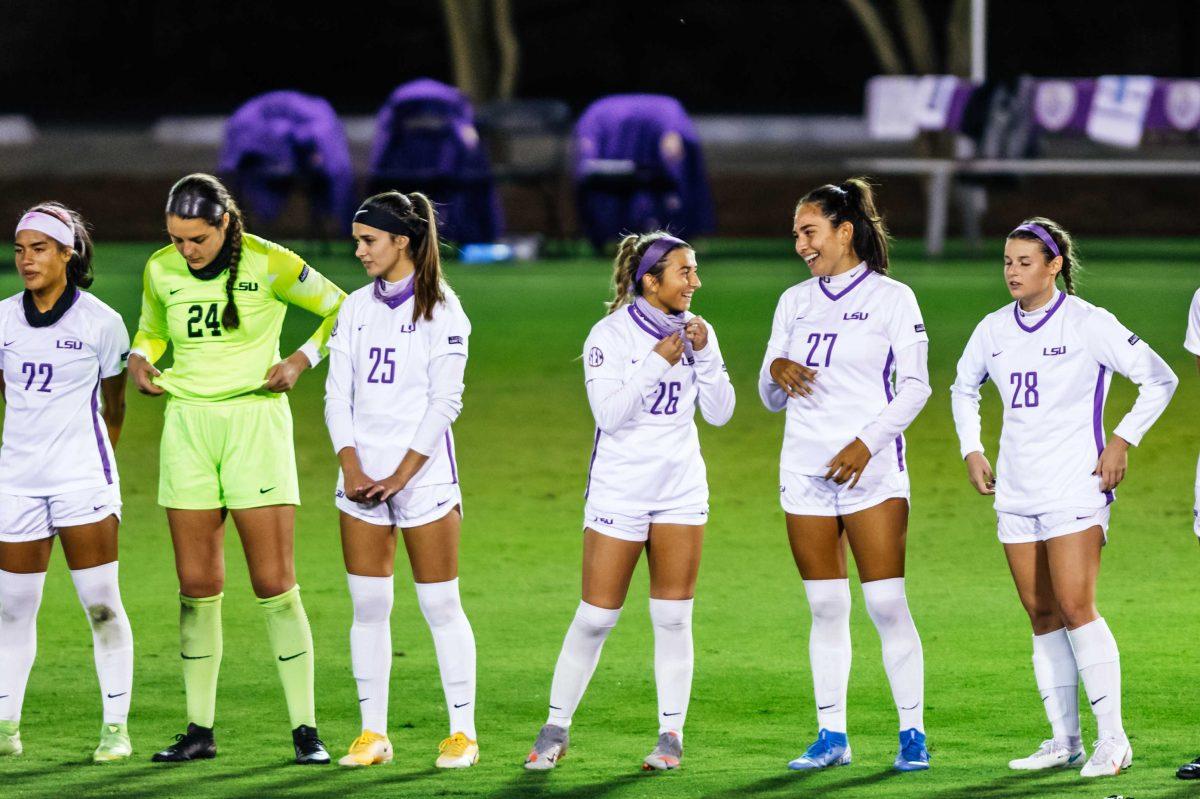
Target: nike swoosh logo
[283,659]
[193,657]
[5,696]
[910,708]
[1101,699]
[826,707]
[265,490]
[443,502]
[10,343]
[114,696]
[174,291]
[96,508]
[364,699]
[552,707]
[464,704]
[994,354]
[360,327]
[676,713]
[1085,516]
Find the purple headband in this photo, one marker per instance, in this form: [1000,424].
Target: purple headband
[1041,233]
[654,253]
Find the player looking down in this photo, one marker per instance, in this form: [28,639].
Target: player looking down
[648,364]
[62,374]
[1052,356]
[217,295]
[395,385]
[837,341]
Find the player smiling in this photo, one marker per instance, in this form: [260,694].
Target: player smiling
[395,386]
[1051,356]
[218,296]
[62,374]
[647,365]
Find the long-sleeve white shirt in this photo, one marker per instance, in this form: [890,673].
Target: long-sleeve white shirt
[1053,368]
[857,330]
[395,384]
[646,453]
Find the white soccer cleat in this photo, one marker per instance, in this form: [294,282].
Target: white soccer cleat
[1110,756]
[1051,754]
[666,754]
[550,747]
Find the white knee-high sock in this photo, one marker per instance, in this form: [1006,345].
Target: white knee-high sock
[673,660]
[454,643]
[371,647]
[20,597]
[112,638]
[1058,682]
[1100,668]
[577,660]
[903,658]
[829,649]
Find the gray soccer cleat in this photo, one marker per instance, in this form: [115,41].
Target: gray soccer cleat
[666,755]
[550,746]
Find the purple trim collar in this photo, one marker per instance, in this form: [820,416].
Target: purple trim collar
[847,290]
[1045,318]
[640,319]
[395,301]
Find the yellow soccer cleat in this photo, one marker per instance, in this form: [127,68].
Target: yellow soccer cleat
[10,739]
[368,749]
[457,751]
[114,744]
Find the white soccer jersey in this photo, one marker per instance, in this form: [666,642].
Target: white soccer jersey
[851,328]
[395,384]
[55,440]
[646,453]
[1053,368]
[1191,342]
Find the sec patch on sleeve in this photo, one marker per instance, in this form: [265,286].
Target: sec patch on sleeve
[455,340]
[919,328]
[595,357]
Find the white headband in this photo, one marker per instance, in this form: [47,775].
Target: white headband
[49,224]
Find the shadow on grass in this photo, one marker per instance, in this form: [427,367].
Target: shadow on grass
[792,781]
[536,784]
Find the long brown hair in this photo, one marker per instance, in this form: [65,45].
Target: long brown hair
[629,254]
[201,196]
[418,217]
[1066,246]
[79,267]
[854,201]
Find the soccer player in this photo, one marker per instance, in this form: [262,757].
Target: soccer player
[218,296]
[837,341]
[1051,356]
[1191,771]
[395,384]
[648,364]
[62,374]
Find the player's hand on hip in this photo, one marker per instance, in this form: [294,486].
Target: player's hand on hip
[670,348]
[979,472]
[283,376]
[1113,462]
[793,378]
[848,465]
[697,332]
[143,373]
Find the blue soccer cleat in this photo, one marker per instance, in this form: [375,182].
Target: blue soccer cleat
[830,749]
[913,755]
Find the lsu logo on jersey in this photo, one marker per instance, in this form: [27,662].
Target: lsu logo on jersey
[857,316]
[1051,351]
[595,357]
[411,327]
[246,285]
[68,344]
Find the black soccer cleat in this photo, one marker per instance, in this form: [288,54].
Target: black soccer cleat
[310,750]
[1189,771]
[196,744]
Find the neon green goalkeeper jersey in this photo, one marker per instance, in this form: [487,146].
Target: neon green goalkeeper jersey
[210,362]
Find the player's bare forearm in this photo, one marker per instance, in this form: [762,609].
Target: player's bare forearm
[1,385]
[410,464]
[112,390]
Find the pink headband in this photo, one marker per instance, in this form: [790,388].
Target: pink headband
[49,224]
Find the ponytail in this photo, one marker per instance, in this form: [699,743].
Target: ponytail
[418,219]
[629,254]
[201,196]
[1062,239]
[79,266]
[854,201]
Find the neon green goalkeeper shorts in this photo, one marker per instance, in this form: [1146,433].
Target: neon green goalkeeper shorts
[235,454]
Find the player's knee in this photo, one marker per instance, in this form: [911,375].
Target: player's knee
[269,586]
[1044,619]
[593,621]
[372,609]
[200,586]
[829,611]
[1077,613]
[441,610]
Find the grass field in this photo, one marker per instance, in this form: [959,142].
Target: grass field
[523,443]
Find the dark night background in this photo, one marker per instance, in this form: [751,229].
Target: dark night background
[136,60]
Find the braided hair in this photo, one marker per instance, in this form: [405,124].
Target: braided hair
[854,201]
[629,254]
[201,196]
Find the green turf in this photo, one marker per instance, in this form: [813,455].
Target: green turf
[523,442]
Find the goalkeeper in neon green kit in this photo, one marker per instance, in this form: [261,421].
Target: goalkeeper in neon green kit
[218,296]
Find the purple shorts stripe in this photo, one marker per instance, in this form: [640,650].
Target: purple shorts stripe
[1098,422]
[887,390]
[99,434]
[453,465]
[591,463]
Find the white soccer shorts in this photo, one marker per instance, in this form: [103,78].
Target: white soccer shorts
[636,527]
[412,507]
[1013,528]
[35,518]
[813,495]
